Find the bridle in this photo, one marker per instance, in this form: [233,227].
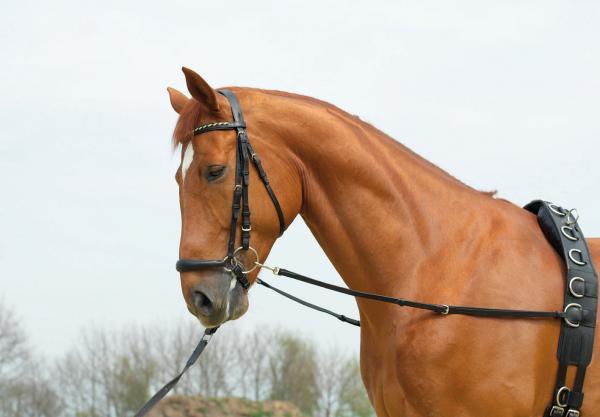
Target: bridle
[559,225]
[244,153]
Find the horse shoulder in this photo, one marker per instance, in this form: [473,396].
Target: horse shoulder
[594,244]
[592,400]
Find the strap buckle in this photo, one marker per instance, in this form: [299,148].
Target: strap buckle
[557,411]
[573,413]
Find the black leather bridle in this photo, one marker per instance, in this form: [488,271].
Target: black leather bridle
[244,153]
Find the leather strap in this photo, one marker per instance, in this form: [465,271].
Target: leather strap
[218,126]
[239,125]
[436,308]
[187,265]
[265,180]
[208,333]
[340,317]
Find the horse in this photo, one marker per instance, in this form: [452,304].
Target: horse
[391,223]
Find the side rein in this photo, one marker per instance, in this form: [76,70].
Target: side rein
[560,227]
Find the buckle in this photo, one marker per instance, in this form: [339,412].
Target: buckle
[573,413]
[557,411]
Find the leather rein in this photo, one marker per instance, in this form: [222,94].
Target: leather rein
[573,316]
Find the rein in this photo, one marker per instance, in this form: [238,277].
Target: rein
[559,225]
[443,309]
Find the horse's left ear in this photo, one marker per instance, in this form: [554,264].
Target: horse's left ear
[178,99]
[200,90]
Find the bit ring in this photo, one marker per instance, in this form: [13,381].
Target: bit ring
[236,261]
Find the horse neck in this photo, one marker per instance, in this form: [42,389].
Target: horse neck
[378,210]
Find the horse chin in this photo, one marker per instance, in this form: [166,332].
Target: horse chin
[238,304]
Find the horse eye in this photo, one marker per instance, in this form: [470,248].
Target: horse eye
[214,172]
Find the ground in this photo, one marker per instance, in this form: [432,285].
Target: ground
[180,406]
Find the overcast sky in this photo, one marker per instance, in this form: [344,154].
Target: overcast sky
[503,95]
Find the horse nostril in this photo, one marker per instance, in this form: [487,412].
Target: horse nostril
[202,303]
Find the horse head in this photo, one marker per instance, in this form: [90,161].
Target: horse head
[210,178]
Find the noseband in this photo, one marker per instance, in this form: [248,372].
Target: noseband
[244,153]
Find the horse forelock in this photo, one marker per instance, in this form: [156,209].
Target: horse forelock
[188,120]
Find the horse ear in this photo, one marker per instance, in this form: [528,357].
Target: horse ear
[200,90]
[178,99]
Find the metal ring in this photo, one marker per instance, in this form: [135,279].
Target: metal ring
[556,209]
[572,305]
[573,292]
[572,214]
[571,236]
[255,264]
[559,394]
[575,261]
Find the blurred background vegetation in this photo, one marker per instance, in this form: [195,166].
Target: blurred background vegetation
[111,373]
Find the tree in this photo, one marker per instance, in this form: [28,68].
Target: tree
[111,373]
[171,348]
[107,374]
[253,366]
[25,390]
[342,393]
[293,372]
[14,350]
[329,382]
[353,397]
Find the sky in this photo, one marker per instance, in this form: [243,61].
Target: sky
[503,95]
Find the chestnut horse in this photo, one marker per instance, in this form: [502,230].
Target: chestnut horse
[391,223]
